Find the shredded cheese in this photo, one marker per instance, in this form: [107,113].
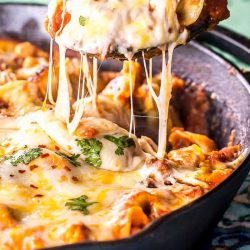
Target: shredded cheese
[62,108]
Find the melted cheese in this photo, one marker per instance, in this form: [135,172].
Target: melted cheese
[37,192]
[123,185]
[130,27]
[79,109]
[62,108]
[55,185]
[49,93]
[131,87]
[128,23]
[124,25]
[164,99]
[132,158]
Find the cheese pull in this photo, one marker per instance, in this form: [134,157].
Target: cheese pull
[122,29]
[98,142]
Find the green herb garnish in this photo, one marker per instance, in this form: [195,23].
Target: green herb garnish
[79,204]
[72,159]
[121,143]
[24,158]
[82,20]
[91,148]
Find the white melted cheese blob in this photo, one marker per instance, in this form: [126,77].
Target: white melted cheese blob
[20,185]
[132,158]
[126,25]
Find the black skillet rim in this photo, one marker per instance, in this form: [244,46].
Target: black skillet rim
[158,221]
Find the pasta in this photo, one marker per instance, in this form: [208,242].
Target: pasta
[72,167]
[56,187]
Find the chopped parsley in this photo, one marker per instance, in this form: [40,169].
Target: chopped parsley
[24,158]
[91,148]
[72,159]
[121,143]
[79,204]
[82,20]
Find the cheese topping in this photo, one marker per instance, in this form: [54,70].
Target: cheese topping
[69,173]
[38,188]
[127,26]
[97,183]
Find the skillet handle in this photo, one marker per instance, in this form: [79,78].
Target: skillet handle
[229,41]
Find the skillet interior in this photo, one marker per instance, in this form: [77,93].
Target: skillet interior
[229,109]
[230,105]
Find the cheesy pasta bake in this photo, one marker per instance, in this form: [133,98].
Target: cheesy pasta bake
[72,167]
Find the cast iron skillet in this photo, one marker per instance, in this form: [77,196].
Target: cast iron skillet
[230,109]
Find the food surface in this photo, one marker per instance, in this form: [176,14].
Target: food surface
[97,181]
[126,27]
[72,167]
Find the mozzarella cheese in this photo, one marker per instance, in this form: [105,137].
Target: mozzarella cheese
[96,26]
[80,157]
[127,26]
[37,191]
